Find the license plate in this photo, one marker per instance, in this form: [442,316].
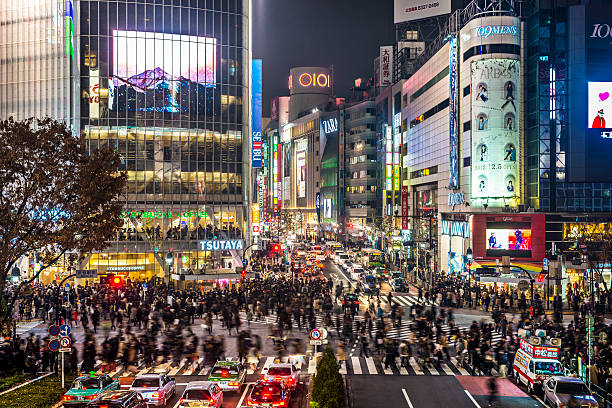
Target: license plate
[223,384]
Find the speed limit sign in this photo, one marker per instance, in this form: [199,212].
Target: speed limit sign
[315,334]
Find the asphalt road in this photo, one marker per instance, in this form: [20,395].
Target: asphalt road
[434,392]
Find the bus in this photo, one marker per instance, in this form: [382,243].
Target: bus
[371,257]
[332,247]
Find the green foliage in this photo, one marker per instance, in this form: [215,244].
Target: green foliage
[40,394]
[328,385]
[13,380]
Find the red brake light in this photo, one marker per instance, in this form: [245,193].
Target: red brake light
[92,396]
[224,373]
[67,398]
[103,406]
[155,395]
[181,401]
[278,379]
[281,404]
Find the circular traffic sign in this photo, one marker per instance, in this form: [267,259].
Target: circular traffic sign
[54,345]
[54,330]
[65,342]
[315,334]
[323,333]
[65,330]
[245,262]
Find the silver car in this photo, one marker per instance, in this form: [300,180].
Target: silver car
[567,392]
[202,394]
[156,389]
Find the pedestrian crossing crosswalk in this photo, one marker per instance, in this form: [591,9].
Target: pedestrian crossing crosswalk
[24,327]
[354,365]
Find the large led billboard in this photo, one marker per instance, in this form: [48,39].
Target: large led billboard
[495,131]
[509,239]
[300,164]
[159,72]
[600,105]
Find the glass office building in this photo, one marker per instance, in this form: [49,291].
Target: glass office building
[164,83]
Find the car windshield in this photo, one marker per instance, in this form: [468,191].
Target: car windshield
[279,371]
[548,368]
[370,279]
[197,395]
[146,383]
[399,281]
[266,391]
[219,371]
[358,270]
[350,296]
[86,384]
[572,388]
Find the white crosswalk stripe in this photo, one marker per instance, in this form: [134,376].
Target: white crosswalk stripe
[355,365]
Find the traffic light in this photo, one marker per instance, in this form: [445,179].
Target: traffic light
[541,278]
[117,281]
[243,274]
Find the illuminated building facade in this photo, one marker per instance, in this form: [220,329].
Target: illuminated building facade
[166,84]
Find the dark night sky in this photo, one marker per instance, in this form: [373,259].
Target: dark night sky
[343,33]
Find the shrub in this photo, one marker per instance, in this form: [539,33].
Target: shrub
[328,385]
[40,394]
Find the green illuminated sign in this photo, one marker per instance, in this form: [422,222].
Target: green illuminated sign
[162,214]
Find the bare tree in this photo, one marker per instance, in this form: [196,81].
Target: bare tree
[57,197]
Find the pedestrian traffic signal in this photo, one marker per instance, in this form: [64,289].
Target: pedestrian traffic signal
[541,278]
[243,274]
[117,281]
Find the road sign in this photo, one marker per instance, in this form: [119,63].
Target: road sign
[315,334]
[65,342]
[65,330]
[64,350]
[54,331]
[86,273]
[245,262]
[323,333]
[54,345]
[545,261]
[316,342]
[67,287]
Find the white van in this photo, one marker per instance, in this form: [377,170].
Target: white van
[534,364]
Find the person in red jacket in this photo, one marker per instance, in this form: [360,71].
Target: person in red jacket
[599,122]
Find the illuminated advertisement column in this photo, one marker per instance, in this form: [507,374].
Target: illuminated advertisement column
[397,146]
[257,152]
[495,132]
[453,182]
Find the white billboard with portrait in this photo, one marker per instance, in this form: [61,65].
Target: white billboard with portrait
[495,131]
[300,165]
[409,10]
[600,105]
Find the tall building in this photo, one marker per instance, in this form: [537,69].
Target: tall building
[167,86]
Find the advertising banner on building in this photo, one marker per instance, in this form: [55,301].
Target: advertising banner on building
[300,177]
[409,10]
[405,209]
[495,131]
[257,152]
[452,109]
[255,218]
[94,93]
[386,65]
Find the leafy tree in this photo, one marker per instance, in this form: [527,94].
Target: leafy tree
[328,385]
[57,197]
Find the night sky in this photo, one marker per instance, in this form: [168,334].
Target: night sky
[343,33]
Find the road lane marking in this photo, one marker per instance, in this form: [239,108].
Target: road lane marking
[402,369]
[462,370]
[343,367]
[356,365]
[415,366]
[243,396]
[267,364]
[371,365]
[539,400]
[446,369]
[407,398]
[472,398]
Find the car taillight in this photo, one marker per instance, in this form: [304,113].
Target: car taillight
[250,403]
[103,406]
[290,380]
[278,379]
[67,398]
[181,401]
[211,400]
[155,395]
[233,384]
[89,397]
[281,404]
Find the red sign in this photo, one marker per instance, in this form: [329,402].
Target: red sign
[405,201]
[540,351]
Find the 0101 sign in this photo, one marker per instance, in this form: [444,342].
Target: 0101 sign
[310,79]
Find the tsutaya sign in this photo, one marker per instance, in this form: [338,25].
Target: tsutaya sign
[487,31]
[221,245]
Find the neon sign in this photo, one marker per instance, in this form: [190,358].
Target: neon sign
[487,31]
[307,79]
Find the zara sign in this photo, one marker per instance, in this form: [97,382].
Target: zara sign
[330,125]
[221,245]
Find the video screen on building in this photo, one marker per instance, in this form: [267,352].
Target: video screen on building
[508,239]
[159,72]
[600,105]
